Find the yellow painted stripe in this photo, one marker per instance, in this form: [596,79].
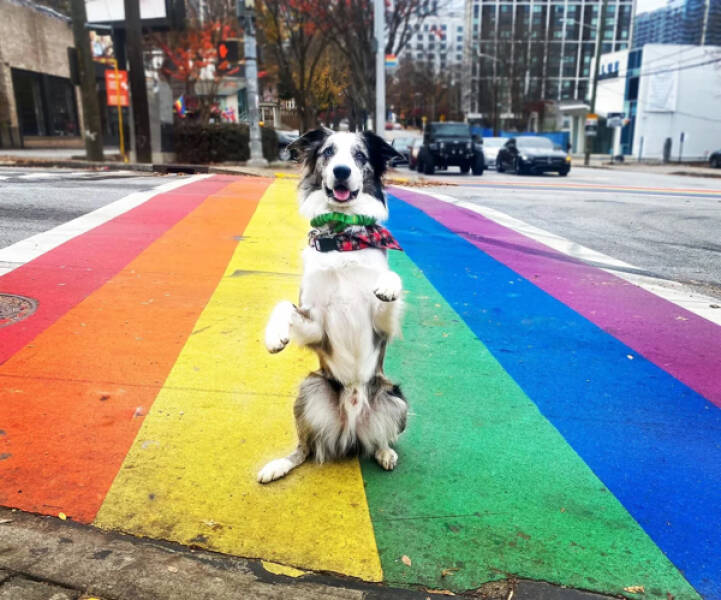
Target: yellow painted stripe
[225,409]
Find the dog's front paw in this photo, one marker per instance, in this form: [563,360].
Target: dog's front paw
[387,458]
[277,332]
[389,287]
[276,339]
[275,469]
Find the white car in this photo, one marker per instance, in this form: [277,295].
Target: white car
[491,146]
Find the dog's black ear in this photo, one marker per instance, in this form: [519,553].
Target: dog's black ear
[307,144]
[379,152]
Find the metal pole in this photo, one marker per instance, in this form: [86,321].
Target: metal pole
[379,27]
[597,64]
[245,15]
[92,130]
[136,75]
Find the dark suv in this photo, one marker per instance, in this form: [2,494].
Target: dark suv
[446,144]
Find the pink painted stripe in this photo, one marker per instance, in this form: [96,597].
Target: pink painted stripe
[66,275]
[680,342]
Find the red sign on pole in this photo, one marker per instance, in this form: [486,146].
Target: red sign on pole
[117,89]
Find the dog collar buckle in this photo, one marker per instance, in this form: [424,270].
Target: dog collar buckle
[325,244]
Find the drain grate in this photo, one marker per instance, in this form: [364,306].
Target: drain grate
[15,308]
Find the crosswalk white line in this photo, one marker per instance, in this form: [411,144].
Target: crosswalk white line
[672,291]
[30,248]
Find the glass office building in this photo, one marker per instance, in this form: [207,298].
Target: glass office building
[521,52]
[695,22]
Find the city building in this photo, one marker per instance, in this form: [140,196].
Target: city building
[524,57]
[439,38]
[670,97]
[38,103]
[695,22]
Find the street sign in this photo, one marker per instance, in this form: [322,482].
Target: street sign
[591,124]
[117,89]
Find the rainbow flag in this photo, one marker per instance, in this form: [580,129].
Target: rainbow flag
[179,106]
[564,422]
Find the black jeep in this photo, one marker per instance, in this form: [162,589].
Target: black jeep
[448,143]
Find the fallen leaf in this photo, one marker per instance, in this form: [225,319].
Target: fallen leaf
[173,569]
[450,571]
[441,592]
[563,509]
[62,516]
[405,560]
[3,521]
[634,589]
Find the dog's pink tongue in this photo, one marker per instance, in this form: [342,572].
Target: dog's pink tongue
[341,194]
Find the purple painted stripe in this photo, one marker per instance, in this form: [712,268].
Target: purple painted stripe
[680,342]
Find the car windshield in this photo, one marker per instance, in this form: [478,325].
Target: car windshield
[494,142]
[451,130]
[538,143]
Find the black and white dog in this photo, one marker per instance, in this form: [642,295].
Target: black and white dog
[350,306]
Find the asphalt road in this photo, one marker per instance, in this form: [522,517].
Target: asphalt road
[666,225]
[36,200]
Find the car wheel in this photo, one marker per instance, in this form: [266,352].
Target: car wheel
[716,162]
[428,166]
[465,167]
[412,166]
[499,166]
[477,165]
[517,167]
[563,172]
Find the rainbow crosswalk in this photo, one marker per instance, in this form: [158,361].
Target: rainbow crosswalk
[564,423]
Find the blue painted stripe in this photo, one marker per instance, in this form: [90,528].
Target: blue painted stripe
[654,442]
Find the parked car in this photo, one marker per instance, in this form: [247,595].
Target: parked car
[284,139]
[715,159]
[413,152]
[491,146]
[403,147]
[449,143]
[530,154]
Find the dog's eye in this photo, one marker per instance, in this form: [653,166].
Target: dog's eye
[328,152]
[361,158]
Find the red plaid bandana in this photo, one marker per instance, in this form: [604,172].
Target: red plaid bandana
[353,238]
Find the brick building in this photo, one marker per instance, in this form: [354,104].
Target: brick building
[38,104]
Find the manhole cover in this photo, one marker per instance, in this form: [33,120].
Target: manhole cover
[15,308]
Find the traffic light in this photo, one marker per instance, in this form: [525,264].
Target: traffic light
[230,51]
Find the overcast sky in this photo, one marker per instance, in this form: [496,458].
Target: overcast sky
[646,5]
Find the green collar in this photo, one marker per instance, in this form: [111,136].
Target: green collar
[339,221]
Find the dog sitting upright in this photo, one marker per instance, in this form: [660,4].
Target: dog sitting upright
[350,306]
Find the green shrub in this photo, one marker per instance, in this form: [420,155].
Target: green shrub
[219,142]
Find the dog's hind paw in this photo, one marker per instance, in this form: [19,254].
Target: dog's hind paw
[275,469]
[386,458]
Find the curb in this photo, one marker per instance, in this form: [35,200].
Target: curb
[76,561]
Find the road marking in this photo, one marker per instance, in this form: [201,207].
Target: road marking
[649,438]
[226,409]
[485,484]
[672,291]
[74,398]
[573,186]
[19,253]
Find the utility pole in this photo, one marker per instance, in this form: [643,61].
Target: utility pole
[136,75]
[246,16]
[596,66]
[92,134]
[379,24]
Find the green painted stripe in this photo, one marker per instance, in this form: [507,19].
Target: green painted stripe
[485,484]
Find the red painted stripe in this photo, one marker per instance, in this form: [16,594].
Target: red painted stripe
[73,400]
[64,276]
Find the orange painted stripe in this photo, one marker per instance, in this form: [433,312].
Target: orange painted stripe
[72,401]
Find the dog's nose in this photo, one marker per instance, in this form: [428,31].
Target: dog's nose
[341,172]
